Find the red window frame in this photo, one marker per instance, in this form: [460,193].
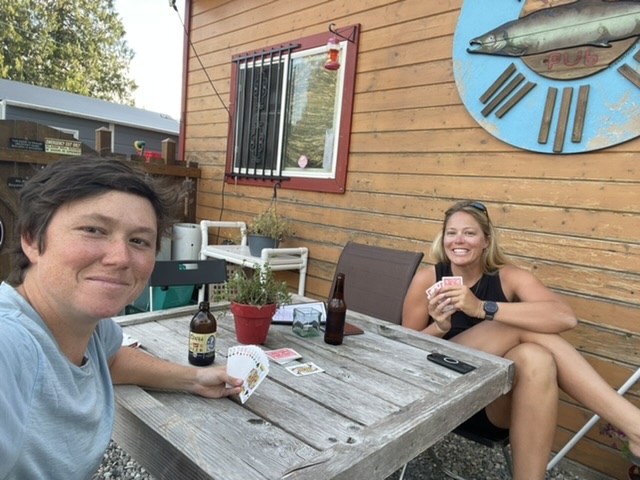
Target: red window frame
[331,185]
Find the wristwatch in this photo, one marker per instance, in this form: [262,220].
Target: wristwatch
[490,310]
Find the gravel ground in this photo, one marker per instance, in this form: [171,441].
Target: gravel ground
[458,454]
[118,464]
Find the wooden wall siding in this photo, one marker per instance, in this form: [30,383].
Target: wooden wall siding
[572,219]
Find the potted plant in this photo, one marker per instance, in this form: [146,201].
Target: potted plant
[254,297]
[267,230]
[621,443]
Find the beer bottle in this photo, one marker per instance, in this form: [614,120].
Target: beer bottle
[202,337]
[336,313]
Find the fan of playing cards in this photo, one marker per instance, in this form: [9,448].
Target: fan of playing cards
[249,363]
[433,290]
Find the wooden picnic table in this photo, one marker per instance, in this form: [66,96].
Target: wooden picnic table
[378,404]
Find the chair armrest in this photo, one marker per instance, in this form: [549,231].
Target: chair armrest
[205,225]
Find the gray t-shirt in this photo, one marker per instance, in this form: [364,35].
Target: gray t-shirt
[56,418]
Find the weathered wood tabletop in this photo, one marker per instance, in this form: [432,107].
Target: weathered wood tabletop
[378,404]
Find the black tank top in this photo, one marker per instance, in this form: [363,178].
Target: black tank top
[487,288]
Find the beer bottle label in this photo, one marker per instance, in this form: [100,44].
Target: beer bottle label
[202,343]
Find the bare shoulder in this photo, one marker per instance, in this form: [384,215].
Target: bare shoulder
[520,284]
[511,273]
[424,277]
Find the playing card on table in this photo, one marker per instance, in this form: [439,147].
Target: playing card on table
[302,369]
[433,290]
[249,363]
[283,355]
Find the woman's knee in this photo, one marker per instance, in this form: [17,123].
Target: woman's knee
[533,362]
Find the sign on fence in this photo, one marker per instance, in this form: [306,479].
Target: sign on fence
[62,147]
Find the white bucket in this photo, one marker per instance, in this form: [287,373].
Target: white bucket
[186,241]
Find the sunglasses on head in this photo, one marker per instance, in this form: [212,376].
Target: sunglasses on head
[479,206]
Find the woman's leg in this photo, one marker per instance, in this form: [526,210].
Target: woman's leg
[575,376]
[529,410]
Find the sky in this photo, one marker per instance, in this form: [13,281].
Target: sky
[156,34]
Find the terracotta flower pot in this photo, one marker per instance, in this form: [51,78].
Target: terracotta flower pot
[252,322]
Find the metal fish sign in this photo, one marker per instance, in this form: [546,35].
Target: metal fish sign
[589,22]
[550,76]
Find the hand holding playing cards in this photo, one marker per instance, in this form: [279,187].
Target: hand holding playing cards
[450,296]
[211,383]
[463,299]
[440,305]
[440,314]
[249,363]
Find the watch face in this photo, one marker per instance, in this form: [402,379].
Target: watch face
[490,307]
[542,76]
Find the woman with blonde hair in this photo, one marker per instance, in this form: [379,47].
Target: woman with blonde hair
[506,311]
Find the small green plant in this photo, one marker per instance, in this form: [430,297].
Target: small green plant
[256,287]
[271,224]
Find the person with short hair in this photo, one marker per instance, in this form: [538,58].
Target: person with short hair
[88,233]
[506,311]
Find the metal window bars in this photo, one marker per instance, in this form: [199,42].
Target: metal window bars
[258,113]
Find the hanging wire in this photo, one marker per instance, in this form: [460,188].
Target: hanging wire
[224,184]
[172,4]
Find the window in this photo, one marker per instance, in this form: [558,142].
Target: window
[291,118]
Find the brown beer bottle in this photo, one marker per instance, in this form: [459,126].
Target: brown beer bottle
[336,313]
[202,337]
